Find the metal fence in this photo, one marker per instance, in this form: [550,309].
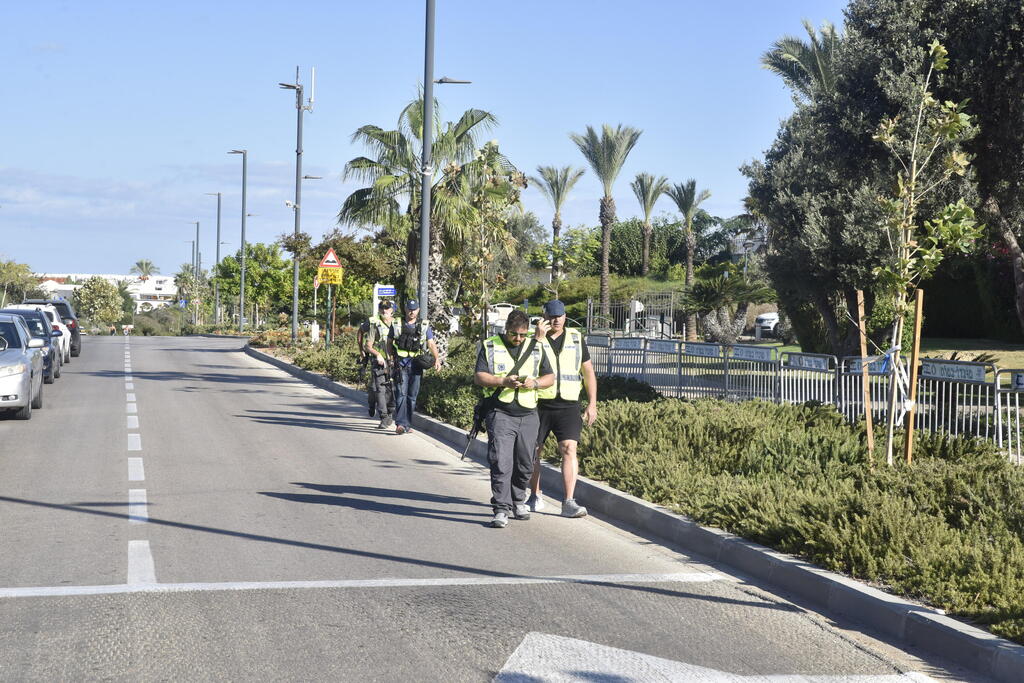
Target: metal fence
[960,398]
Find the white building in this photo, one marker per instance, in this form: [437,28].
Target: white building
[155,291]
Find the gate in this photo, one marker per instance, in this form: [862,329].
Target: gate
[702,371]
[807,377]
[662,370]
[956,397]
[751,372]
[626,357]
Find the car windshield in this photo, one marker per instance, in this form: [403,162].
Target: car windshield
[49,315]
[10,334]
[36,326]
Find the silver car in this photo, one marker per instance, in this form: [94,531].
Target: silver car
[21,367]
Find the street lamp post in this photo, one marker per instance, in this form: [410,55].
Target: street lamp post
[241,285]
[296,206]
[427,170]
[216,283]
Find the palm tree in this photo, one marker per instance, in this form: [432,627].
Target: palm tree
[688,200]
[556,184]
[648,190]
[144,268]
[806,67]
[606,155]
[391,199]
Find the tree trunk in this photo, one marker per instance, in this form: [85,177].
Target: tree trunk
[691,318]
[1017,260]
[556,230]
[828,315]
[645,264]
[607,216]
[437,288]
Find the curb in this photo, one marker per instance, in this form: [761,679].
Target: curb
[903,621]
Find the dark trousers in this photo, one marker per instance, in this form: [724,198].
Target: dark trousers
[381,390]
[407,388]
[510,447]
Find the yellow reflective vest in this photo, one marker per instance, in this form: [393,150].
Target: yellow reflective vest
[567,364]
[397,328]
[500,363]
[379,329]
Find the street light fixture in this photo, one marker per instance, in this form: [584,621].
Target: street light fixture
[296,205]
[426,169]
[241,287]
[216,282]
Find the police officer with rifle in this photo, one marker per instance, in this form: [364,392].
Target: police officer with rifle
[377,347]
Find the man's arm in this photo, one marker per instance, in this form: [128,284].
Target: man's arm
[437,356]
[590,382]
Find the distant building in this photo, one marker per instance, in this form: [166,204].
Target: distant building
[155,291]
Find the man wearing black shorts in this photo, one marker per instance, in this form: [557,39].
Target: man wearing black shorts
[559,405]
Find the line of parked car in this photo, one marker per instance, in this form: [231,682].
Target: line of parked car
[37,337]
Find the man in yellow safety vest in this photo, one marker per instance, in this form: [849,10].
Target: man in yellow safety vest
[511,369]
[559,405]
[376,346]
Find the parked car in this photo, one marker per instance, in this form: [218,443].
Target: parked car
[40,328]
[69,318]
[767,323]
[56,323]
[21,367]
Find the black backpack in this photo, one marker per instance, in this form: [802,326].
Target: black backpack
[409,341]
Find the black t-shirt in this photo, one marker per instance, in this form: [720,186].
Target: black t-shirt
[514,408]
[556,345]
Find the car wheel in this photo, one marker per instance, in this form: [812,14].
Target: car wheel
[76,352]
[48,379]
[56,370]
[37,402]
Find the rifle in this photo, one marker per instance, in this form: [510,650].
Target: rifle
[365,359]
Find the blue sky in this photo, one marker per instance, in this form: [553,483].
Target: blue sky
[118,115]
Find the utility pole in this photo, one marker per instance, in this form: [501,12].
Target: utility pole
[297,206]
[241,287]
[216,283]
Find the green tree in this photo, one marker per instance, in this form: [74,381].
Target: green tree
[268,280]
[648,190]
[16,282]
[556,184]
[144,268]
[688,201]
[98,300]
[606,154]
[722,297]
[806,67]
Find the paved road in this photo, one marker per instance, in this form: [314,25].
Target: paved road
[180,511]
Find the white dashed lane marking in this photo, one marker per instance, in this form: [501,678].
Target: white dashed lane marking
[133,422]
[135,470]
[131,407]
[141,571]
[135,442]
[137,506]
[130,398]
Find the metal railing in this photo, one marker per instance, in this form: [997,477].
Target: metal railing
[960,398]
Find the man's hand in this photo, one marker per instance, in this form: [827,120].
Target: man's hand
[510,381]
[543,327]
[380,360]
[590,414]
[437,364]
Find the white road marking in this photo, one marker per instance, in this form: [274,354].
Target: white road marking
[133,422]
[129,386]
[544,657]
[607,579]
[138,512]
[135,442]
[141,571]
[132,408]
[136,472]
[130,398]
[128,378]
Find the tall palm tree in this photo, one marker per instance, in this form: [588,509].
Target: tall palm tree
[806,67]
[648,190]
[688,200]
[145,269]
[556,184]
[606,154]
[391,198]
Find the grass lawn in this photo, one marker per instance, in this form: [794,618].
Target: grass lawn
[1007,355]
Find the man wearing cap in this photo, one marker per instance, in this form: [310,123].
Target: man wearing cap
[558,406]
[410,339]
[511,369]
[376,346]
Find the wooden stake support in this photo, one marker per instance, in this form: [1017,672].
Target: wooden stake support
[865,377]
[908,421]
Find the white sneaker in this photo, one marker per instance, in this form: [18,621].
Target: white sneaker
[535,502]
[571,508]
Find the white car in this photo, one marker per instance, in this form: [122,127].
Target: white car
[58,324]
[767,323]
[496,316]
[21,367]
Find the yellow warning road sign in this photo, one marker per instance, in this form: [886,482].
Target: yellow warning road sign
[330,276]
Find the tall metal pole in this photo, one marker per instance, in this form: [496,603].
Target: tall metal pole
[216,283]
[427,170]
[241,287]
[297,208]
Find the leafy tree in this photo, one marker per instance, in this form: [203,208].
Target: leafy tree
[16,282]
[806,67]
[127,302]
[648,190]
[556,184]
[578,251]
[606,154]
[688,201]
[268,280]
[98,300]
[144,268]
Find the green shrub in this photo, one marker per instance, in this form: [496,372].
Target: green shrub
[614,388]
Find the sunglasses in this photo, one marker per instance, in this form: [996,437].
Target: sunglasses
[518,335]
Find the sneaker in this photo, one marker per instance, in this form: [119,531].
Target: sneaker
[500,520]
[399,429]
[535,502]
[571,508]
[386,422]
[522,511]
